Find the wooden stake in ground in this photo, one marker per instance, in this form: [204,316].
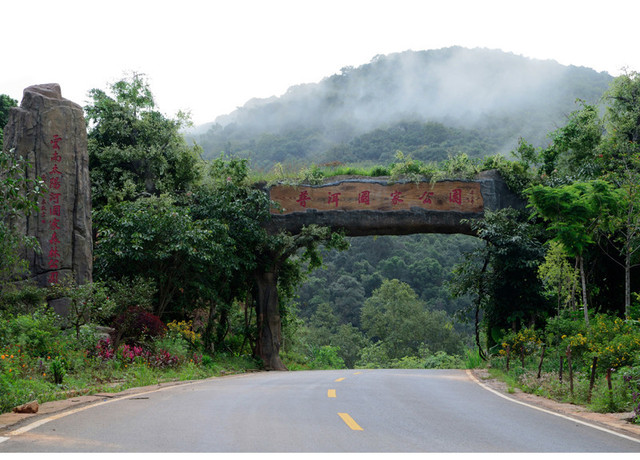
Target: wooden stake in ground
[593,377]
[561,365]
[541,359]
[570,369]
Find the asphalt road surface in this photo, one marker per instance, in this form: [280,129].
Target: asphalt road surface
[316,411]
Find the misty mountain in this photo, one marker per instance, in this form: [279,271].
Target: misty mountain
[426,103]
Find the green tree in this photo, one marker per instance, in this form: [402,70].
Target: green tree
[88,303]
[347,298]
[623,111]
[558,276]
[6,103]
[574,212]
[350,341]
[280,262]
[394,315]
[574,148]
[134,150]
[227,199]
[621,227]
[501,275]
[156,238]
[620,155]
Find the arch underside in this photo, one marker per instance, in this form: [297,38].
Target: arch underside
[364,223]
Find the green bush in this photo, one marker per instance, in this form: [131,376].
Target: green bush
[175,345]
[58,370]
[407,362]
[441,360]
[374,356]
[20,299]
[615,343]
[33,332]
[326,357]
[472,359]
[16,391]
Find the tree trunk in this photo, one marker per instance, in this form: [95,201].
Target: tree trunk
[573,289]
[478,303]
[627,283]
[208,333]
[223,326]
[268,317]
[584,291]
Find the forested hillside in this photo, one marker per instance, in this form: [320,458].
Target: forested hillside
[430,104]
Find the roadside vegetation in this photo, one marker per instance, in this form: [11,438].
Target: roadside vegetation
[597,367]
[546,298]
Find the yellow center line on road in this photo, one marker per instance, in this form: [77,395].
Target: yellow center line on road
[356,373]
[351,423]
[339,380]
[331,393]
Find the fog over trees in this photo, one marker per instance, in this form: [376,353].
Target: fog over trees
[431,103]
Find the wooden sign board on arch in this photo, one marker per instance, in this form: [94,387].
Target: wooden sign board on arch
[459,196]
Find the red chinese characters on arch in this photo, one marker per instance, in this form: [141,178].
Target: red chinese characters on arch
[376,196]
[52,212]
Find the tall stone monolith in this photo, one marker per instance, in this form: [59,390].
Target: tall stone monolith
[50,133]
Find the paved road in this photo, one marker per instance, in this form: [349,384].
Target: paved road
[318,411]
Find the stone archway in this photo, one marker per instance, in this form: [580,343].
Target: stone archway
[363,206]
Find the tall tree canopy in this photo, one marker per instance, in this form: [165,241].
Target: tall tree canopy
[6,102]
[134,150]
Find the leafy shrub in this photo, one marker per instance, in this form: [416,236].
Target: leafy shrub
[22,299]
[128,354]
[379,171]
[174,344]
[460,166]
[374,356]
[185,330]
[130,292]
[406,167]
[162,359]
[33,332]
[135,325]
[207,360]
[58,370]
[326,357]
[522,343]
[441,360]
[407,362]
[87,303]
[472,359]
[104,350]
[88,337]
[618,399]
[567,323]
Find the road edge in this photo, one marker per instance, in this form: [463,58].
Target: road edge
[631,433]
[75,405]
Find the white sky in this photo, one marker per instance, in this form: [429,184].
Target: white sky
[210,57]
